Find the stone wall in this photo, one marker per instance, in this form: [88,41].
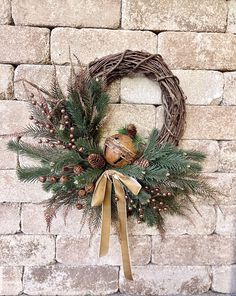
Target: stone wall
[196,39]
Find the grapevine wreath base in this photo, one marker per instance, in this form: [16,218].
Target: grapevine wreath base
[128,176]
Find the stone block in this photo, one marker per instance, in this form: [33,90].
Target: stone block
[84,43]
[227,156]
[198,50]
[231,21]
[6,81]
[24,45]
[12,190]
[119,115]
[7,158]
[210,148]
[67,251]
[72,13]
[83,280]
[229,97]
[5,12]
[9,218]
[226,220]
[194,250]
[10,280]
[167,280]
[224,279]
[26,250]
[174,15]
[14,116]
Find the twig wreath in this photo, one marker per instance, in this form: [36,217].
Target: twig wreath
[129,176]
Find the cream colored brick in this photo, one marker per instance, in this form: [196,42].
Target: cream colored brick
[231,26]
[201,87]
[10,279]
[175,15]
[7,158]
[24,45]
[140,90]
[26,250]
[42,76]
[33,221]
[140,251]
[143,116]
[229,97]
[83,280]
[9,218]
[226,221]
[72,13]
[198,50]
[210,148]
[6,81]
[5,12]
[206,122]
[167,280]
[84,43]
[228,156]
[14,116]
[12,190]
[194,250]
[224,279]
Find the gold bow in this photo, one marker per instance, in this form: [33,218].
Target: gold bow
[102,196]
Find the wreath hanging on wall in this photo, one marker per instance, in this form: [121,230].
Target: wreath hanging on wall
[128,176]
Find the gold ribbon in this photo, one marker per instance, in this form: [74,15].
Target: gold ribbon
[102,196]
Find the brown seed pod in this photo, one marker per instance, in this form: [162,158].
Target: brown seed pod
[79,206]
[96,161]
[64,179]
[42,179]
[82,193]
[132,130]
[53,179]
[78,169]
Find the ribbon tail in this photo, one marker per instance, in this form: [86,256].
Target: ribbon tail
[106,220]
[123,233]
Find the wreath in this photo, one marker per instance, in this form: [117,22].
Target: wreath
[129,176]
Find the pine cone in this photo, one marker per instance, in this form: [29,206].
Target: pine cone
[78,169]
[96,161]
[142,162]
[132,130]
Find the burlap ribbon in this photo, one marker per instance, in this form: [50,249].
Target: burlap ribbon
[102,196]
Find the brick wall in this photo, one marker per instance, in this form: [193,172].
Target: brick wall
[196,38]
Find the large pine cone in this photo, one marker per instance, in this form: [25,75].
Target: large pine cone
[96,161]
[142,162]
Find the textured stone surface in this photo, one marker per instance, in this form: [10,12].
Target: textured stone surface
[26,250]
[13,116]
[224,279]
[175,15]
[10,280]
[6,81]
[225,184]
[33,222]
[140,251]
[140,90]
[228,156]
[12,190]
[166,280]
[194,250]
[24,45]
[84,43]
[70,13]
[229,97]
[231,21]
[7,158]
[5,12]
[226,221]
[210,148]
[143,116]
[42,75]
[89,280]
[201,87]
[200,50]
[206,122]
[9,218]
